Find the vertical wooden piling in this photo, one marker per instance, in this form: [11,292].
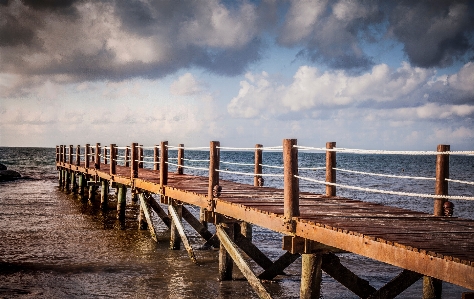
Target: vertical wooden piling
[175,238]
[73,182]
[226,264]
[330,171]
[432,287]
[121,201]
[134,161]
[81,185]
[180,168]
[97,156]
[140,156]
[78,155]
[164,163]
[57,153]
[156,157]
[127,156]
[113,159]
[86,156]
[104,194]
[291,184]
[311,276]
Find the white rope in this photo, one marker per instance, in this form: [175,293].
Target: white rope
[251,174]
[461,182]
[311,168]
[188,167]
[271,148]
[384,152]
[150,162]
[122,147]
[233,163]
[386,175]
[189,148]
[191,160]
[308,148]
[272,166]
[386,191]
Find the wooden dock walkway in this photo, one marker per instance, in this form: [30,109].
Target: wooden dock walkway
[314,226]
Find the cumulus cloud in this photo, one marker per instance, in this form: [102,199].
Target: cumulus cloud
[185,85]
[414,89]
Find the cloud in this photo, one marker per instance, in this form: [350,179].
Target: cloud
[433,33]
[329,31]
[413,89]
[185,85]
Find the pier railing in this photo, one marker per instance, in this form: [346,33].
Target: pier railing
[134,157]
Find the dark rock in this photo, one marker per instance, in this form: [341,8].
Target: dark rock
[2,167]
[9,175]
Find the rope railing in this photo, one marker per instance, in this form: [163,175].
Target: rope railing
[312,168]
[189,167]
[271,148]
[250,174]
[385,175]
[188,148]
[197,160]
[235,163]
[409,194]
[272,166]
[460,182]
[385,152]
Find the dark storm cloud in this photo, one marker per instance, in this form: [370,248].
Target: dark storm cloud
[434,33]
[87,40]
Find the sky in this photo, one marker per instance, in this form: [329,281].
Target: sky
[366,74]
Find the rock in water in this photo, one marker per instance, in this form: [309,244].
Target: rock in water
[9,175]
[2,167]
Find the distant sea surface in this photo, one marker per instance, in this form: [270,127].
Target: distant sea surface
[55,246]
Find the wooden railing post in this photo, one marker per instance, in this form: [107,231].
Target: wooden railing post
[64,154]
[86,155]
[180,158]
[164,163]
[60,157]
[97,156]
[134,161]
[113,159]
[105,155]
[78,155]
[330,171]
[442,173]
[258,179]
[290,183]
[156,158]
[127,156]
[140,156]
[57,153]
[214,161]
[70,154]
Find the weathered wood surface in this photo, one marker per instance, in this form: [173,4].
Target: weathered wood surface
[440,247]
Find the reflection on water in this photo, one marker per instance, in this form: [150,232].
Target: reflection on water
[55,246]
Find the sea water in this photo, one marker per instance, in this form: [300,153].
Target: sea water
[55,246]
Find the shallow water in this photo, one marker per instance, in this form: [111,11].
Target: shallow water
[55,246]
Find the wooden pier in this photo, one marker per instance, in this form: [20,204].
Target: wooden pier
[316,227]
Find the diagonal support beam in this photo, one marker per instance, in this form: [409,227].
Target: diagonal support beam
[252,251]
[333,267]
[200,229]
[397,285]
[279,265]
[179,227]
[146,210]
[159,210]
[240,262]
